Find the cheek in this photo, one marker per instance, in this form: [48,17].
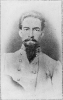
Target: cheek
[37,34]
[24,35]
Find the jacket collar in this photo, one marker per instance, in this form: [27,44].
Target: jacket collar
[38,49]
[39,52]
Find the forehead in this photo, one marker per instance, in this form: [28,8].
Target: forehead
[31,22]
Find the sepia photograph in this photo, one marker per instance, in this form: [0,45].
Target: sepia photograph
[31,50]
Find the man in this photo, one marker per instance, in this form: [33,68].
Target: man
[28,70]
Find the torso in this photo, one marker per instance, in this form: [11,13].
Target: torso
[32,76]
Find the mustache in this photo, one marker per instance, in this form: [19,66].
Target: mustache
[30,40]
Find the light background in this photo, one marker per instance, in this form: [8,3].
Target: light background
[12,10]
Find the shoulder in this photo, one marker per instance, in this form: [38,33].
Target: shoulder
[8,59]
[50,64]
[49,61]
[9,56]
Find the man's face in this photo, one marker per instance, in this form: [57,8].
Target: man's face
[31,27]
[31,30]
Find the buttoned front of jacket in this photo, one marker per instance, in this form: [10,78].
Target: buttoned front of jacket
[30,75]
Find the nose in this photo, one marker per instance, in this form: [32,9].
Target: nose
[31,33]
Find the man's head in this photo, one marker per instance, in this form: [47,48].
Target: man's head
[30,29]
[31,24]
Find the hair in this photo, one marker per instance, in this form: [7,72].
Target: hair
[34,14]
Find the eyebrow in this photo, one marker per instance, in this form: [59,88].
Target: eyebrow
[26,27]
[36,28]
[33,28]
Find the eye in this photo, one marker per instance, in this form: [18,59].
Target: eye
[26,29]
[37,29]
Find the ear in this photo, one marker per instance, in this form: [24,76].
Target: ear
[42,34]
[20,33]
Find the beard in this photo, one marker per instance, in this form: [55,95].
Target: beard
[31,48]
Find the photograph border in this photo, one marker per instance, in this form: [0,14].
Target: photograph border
[62,42]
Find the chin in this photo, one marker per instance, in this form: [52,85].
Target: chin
[31,48]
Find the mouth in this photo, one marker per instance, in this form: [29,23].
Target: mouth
[30,41]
